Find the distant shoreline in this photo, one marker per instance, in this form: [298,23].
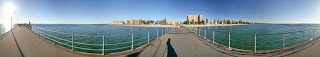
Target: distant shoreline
[157,25]
[207,25]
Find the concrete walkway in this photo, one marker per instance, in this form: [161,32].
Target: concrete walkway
[178,42]
[29,44]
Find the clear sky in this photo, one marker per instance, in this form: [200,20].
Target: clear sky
[106,11]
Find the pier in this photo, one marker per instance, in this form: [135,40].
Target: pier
[183,42]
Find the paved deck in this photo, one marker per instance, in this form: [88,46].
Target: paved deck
[177,43]
[29,44]
[181,43]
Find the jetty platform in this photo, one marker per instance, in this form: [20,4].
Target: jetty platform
[22,42]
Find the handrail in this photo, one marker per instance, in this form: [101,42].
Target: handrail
[89,35]
[305,35]
[38,30]
[261,34]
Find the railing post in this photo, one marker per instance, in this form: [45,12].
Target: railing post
[303,36]
[148,38]
[199,32]
[255,42]
[205,33]
[157,34]
[161,32]
[54,38]
[165,30]
[132,42]
[212,36]
[283,40]
[168,29]
[72,42]
[229,40]
[194,30]
[103,45]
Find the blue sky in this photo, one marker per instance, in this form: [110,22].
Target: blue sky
[106,11]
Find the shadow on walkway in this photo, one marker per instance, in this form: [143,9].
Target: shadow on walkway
[171,52]
[135,54]
[17,44]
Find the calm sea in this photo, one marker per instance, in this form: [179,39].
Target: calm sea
[238,38]
[268,36]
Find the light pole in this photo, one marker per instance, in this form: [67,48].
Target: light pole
[11,22]
[11,19]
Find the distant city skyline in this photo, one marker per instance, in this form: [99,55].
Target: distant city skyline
[106,11]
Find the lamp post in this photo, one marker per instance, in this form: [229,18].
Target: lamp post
[11,19]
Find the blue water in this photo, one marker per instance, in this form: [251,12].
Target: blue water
[238,40]
[242,36]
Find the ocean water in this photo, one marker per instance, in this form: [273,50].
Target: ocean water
[242,36]
[268,36]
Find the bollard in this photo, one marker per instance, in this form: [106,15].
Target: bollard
[212,36]
[132,42]
[103,45]
[72,43]
[157,35]
[255,42]
[283,40]
[148,37]
[229,40]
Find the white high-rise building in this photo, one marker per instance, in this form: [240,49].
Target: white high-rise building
[195,18]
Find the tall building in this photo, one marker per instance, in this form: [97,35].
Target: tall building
[195,18]
[129,22]
[134,22]
[118,22]
[172,22]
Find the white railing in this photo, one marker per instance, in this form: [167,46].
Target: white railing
[65,42]
[284,40]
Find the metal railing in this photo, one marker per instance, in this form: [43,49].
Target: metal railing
[66,42]
[286,41]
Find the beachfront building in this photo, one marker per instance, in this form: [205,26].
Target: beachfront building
[172,22]
[134,22]
[229,21]
[129,22]
[118,22]
[137,22]
[194,18]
